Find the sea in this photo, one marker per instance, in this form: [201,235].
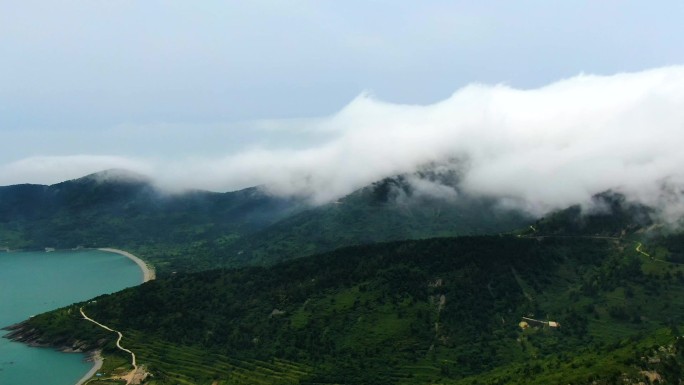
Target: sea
[35,282]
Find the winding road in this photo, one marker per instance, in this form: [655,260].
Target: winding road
[131,375]
[638,249]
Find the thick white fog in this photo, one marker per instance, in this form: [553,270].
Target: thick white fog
[538,149]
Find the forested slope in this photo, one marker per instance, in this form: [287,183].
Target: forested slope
[434,311]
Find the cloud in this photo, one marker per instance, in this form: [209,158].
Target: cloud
[539,149]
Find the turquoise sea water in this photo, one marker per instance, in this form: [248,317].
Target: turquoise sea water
[35,282]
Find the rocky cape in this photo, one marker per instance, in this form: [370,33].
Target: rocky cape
[24,333]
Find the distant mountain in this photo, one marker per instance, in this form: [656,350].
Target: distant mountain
[200,230]
[388,210]
[610,214]
[122,209]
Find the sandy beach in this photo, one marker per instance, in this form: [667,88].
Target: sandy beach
[97,364]
[148,272]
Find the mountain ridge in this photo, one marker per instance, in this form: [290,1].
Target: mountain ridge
[248,226]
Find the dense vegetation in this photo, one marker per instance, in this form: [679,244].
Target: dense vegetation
[434,311]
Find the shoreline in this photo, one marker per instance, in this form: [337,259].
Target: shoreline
[97,365]
[148,271]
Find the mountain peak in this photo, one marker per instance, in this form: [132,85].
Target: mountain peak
[116,175]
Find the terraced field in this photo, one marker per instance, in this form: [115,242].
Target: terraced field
[174,364]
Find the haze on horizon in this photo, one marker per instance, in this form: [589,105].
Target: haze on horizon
[539,104]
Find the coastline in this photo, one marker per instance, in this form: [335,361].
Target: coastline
[148,275]
[96,357]
[148,272]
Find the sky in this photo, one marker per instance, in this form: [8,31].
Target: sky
[322,97]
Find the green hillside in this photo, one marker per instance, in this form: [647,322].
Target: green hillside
[443,310]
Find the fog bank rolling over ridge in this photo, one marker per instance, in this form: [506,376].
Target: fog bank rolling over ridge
[538,149]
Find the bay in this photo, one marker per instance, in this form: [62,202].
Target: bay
[36,282]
